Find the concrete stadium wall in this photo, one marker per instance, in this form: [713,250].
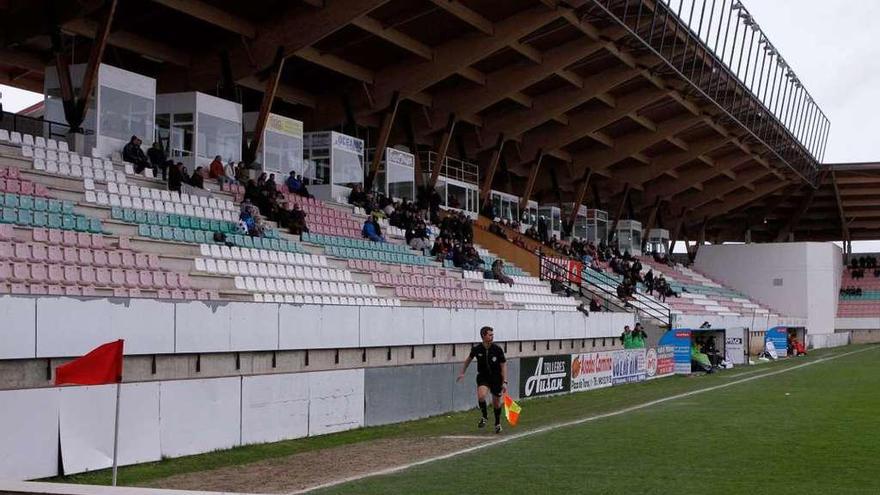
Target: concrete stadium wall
[865,336]
[169,419]
[863,323]
[752,322]
[405,393]
[797,279]
[49,327]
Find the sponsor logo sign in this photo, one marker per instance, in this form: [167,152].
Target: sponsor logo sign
[591,370]
[401,158]
[664,361]
[285,125]
[629,366]
[544,375]
[348,143]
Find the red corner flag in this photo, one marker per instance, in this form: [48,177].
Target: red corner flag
[101,366]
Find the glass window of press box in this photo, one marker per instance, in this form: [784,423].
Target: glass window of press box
[218,137]
[553,215]
[506,206]
[597,226]
[175,132]
[124,114]
[282,152]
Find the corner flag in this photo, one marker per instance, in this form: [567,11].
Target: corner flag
[101,366]
[511,410]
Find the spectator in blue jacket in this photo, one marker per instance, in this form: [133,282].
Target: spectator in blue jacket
[372,231]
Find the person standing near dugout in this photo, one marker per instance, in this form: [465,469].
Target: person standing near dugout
[491,375]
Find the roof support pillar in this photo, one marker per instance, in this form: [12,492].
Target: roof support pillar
[382,142]
[250,154]
[442,150]
[533,176]
[494,158]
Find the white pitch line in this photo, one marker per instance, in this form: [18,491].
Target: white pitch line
[517,436]
[465,437]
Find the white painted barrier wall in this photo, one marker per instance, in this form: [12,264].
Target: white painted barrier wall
[169,419]
[48,327]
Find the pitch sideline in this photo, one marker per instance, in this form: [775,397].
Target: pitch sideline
[543,429]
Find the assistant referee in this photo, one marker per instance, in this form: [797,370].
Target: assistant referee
[491,375]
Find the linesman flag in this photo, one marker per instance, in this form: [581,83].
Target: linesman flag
[101,366]
[511,410]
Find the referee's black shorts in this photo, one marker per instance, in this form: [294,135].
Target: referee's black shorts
[494,384]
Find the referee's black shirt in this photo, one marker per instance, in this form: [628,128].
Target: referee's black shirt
[488,361]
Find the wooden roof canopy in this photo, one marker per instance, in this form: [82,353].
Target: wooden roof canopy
[559,82]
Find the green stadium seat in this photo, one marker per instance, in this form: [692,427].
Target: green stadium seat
[54,206]
[26,202]
[188,235]
[202,237]
[152,218]
[82,224]
[129,215]
[40,219]
[11,200]
[163,220]
[178,234]
[141,216]
[25,217]
[8,216]
[68,222]
[67,207]
[95,226]
[144,230]
[155,232]
[40,204]
[55,221]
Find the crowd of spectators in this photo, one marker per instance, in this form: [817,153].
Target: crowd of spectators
[858,265]
[851,291]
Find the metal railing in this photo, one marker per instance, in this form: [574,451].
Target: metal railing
[14,122]
[719,49]
[587,289]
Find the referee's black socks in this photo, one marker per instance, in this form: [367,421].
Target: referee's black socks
[483,409]
[497,416]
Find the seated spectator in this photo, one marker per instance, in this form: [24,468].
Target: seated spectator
[251,218]
[198,178]
[175,176]
[358,197]
[297,221]
[498,272]
[158,159]
[217,171]
[595,305]
[711,351]
[133,153]
[229,172]
[417,237]
[372,230]
[293,183]
[241,173]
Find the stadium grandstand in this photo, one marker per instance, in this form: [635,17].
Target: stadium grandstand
[299,214]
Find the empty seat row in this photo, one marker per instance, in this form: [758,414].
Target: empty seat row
[325,300]
[382,256]
[193,236]
[68,274]
[158,206]
[78,171]
[164,195]
[38,252]
[31,218]
[539,299]
[16,137]
[273,270]
[36,203]
[548,307]
[65,157]
[417,281]
[219,251]
[25,187]
[422,293]
[455,304]
[375,266]
[132,215]
[288,286]
[328,240]
[495,286]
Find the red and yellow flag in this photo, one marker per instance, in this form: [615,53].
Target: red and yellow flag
[511,410]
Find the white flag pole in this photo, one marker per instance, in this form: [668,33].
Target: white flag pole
[116,431]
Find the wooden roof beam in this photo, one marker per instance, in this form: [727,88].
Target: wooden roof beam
[132,42]
[213,15]
[394,37]
[467,15]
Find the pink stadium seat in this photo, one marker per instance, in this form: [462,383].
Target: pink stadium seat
[159,280]
[71,255]
[71,275]
[69,238]
[117,276]
[26,187]
[127,259]
[41,190]
[56,254]
[134,292]
[38,289]
[39,273]
[171,280]
[56,274]
[83,240]
[13,186]
[6,251]
[22,252]
[120,292]
[19,289]
[86,257]
[56,290]
[21,272]
[189,295]
[163,294]
[72,290]
[5,271]
[114,259]
[141,261]
[41,235]
[131,278]
[100,257]
[13,173]
[98,241]
[6,232]
[56,236]
[104,277]
[145,279]
[87,275]
[177,294]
